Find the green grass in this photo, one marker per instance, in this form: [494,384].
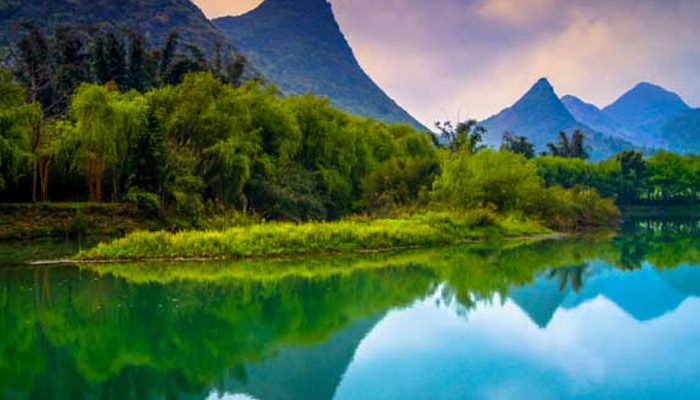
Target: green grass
[285,239]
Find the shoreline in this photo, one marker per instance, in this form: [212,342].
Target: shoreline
[273,240]
[68,261]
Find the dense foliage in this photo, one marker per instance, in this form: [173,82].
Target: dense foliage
[661,179]
[95,117]
[205,142]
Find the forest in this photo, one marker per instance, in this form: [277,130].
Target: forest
[96,116]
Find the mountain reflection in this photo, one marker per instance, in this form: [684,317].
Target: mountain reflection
[289,329]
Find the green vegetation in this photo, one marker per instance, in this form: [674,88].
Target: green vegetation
[276,239]
[509,183]
[188,146]
[663,179]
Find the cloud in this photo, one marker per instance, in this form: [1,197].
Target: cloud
[516,12]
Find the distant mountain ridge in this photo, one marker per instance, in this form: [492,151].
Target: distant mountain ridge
[682,133]
[647,117]
[592,116]
[645,110]
[644,294]
[299,46]
[540,115]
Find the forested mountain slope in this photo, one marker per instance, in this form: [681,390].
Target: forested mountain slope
[299,46]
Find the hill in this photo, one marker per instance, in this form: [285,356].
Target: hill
[645,110]
[154,19]
[540,115]
[299,46]
[682,133]
[592,116]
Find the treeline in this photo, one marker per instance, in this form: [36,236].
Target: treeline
[630,177]
[204,146]
[176,149]
[93,115]
[50,68]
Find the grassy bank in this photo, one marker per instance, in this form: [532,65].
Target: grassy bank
[284,239]
[61,220]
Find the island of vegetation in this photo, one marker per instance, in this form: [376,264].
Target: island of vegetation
[204,164]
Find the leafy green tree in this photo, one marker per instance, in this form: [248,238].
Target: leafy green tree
[16,122]
[105,126]
[501,180]
[570,148]
[518,145]
[670,177]
[466,136]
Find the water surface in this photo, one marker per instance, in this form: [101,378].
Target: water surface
[583,318]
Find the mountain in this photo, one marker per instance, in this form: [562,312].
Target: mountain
[299,46]
[540,115]
[645,110]
[682,133]
[592,116]
[152,18]
[304,372]
[644,294]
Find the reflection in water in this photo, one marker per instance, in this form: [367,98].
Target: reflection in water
[580,318]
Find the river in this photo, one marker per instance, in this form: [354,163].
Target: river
[595,317]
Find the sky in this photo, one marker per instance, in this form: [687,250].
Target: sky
[457,59]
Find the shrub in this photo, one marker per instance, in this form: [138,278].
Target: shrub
[147,203]
[503,181]
[509,184]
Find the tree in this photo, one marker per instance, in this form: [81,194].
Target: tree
[33,61]
[137,60]
[105,124]
[16,122]
[518,145]
[502,180]
[168,54]
[570,148]
[467,136]
[70,65]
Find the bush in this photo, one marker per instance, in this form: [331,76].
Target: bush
[509,184]
[577,208]
[503,181]
[147,203]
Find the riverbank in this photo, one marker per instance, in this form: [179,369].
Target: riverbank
[69,220]
[289,239]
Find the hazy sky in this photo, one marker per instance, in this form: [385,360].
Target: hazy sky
[448,58]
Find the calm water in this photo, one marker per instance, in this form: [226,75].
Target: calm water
[607,318]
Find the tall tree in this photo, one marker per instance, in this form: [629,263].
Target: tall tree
[466,136]
[137,61]
[33,60]
[518,145]
[168,54]
[570,148]
[116,59]
[16,122]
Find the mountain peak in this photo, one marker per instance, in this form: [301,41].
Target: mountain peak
[542,86]
[299,46]
[645,109]
[542,95]
[540,115]
[544,83]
